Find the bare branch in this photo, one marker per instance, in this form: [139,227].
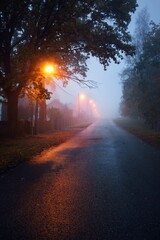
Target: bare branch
[81,82]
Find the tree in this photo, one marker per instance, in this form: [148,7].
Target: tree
[66,33]
[141,87]
[141,30]
[131,77]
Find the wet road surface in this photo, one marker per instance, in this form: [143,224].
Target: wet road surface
[102,185]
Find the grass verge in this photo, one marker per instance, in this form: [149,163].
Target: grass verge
[140,130]
[15,151]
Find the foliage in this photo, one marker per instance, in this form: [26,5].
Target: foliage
[141,81]
[65,33]
[35,89]
[141,30]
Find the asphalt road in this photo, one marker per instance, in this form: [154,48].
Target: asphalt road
[102,185]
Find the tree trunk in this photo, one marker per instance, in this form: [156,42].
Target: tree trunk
[42,111]
[12,113]
[42,116]
[36,118]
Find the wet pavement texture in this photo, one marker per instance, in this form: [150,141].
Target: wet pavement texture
[103,184]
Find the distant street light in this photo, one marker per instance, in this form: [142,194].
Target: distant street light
[81,97]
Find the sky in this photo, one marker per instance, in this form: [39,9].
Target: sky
[107,95]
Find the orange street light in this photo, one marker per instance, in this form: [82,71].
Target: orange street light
[49,69]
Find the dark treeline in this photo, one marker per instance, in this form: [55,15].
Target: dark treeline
[141,77]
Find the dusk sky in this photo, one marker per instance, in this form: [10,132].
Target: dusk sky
[108,94]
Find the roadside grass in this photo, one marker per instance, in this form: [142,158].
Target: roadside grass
[20,149]
[140,130]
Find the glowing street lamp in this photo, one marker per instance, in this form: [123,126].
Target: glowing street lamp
[82,96]
[49,69]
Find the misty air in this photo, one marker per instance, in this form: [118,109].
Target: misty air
[79,120]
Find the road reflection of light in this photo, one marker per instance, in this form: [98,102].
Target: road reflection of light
[60,202]
[54,155]
[64,203]
[68,200]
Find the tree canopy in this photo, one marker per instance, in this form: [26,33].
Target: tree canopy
[66,33]
[141,80]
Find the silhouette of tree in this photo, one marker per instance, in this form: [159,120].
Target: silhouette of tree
[66,33]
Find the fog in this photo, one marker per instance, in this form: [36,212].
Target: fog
[107,95]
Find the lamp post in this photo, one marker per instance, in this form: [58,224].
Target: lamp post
[48,71]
